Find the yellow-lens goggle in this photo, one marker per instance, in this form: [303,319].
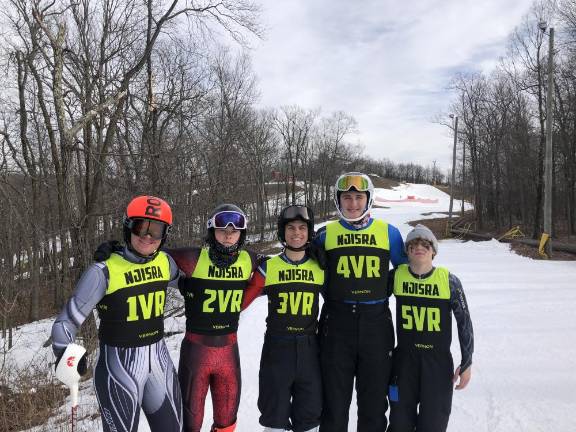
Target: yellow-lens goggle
[358,182]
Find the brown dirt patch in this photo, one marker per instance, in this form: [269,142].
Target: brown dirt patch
[383,183]
[439,227]
[458,193]
[532,252]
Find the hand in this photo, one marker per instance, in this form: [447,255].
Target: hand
[464,378]
[106,249]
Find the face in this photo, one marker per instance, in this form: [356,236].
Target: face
[353,204]
[146,245]
[228,236]
[296,233]
[420,251]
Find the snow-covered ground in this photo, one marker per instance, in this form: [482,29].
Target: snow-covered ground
[525,335]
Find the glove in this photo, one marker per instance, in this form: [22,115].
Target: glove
[318,254]
[106,249]
[81,367]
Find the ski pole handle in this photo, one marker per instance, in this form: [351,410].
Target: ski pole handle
[74,395]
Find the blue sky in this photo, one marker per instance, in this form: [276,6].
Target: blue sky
[385,62]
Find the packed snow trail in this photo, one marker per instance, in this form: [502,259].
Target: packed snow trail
[524,327]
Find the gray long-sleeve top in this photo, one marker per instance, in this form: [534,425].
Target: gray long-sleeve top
[89,290]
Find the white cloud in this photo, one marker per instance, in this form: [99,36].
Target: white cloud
[387,63]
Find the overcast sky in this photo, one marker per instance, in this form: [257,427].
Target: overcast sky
[385,62]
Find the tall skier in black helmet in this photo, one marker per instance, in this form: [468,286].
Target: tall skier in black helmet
[356,331]
[290,396]
[216,277]
[134,369]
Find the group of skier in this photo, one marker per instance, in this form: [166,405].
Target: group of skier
[308,365]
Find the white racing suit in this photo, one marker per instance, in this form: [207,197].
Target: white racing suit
[134,369]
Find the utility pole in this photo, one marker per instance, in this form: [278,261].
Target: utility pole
[463,177]
[455,117]
[548,157]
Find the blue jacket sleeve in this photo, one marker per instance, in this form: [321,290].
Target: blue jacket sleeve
[397,252]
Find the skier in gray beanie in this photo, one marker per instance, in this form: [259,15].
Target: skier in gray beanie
[422,232]
[423,376]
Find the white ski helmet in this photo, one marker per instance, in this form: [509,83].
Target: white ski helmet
[358,182]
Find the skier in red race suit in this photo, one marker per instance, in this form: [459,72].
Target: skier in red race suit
[216,277]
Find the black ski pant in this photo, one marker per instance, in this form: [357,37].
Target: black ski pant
[421,391]
[356,342]
[290,383]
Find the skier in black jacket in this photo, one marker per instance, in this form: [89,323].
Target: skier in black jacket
[356,330]
[290,388]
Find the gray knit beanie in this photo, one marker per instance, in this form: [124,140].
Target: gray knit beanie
[423,232]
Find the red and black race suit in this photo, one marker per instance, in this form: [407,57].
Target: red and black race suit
[213,295]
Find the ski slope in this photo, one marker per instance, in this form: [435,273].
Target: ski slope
[524,324]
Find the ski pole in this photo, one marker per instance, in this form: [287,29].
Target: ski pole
[74,397]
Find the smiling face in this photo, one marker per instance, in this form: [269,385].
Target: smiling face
[353,204]
[420,251]
[145,245]
[296,234]
[228,236]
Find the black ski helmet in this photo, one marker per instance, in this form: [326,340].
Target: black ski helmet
[211,239]
[292,213]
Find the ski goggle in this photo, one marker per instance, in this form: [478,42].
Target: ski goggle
[143,227]
[419,242]
[358,182]
[297,212]
[222,219]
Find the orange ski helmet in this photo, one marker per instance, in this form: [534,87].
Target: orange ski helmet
[147,207]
